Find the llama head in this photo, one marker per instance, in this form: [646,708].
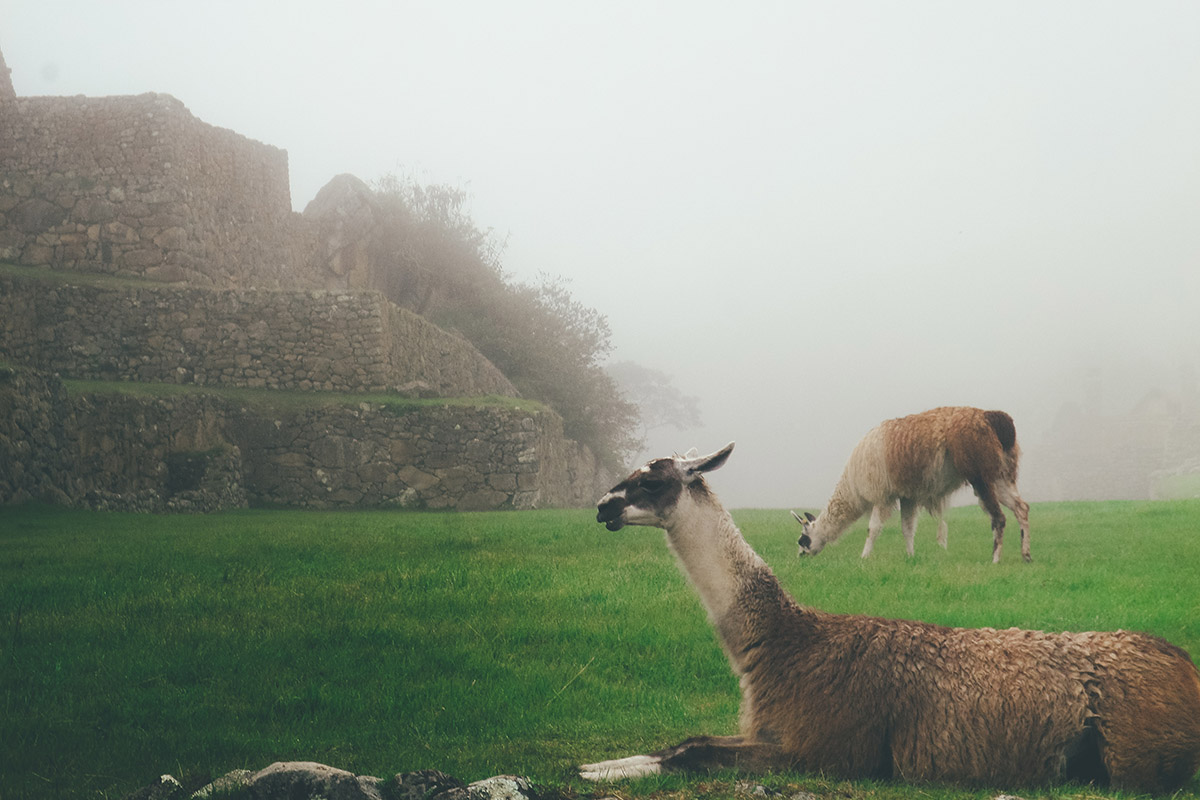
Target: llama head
[651,494]
[810,541]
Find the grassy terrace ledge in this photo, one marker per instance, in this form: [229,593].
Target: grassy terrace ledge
[291,400]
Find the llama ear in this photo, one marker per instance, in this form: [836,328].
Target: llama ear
[804,522]
[693,467]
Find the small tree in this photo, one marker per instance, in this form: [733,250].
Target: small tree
[435,256]
[659,403]
[550,346]
[437,262]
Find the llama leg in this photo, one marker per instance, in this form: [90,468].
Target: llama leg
[878,515]
[1009,497]
[987,500]
[621,768]
[698,754]
[938,512]
[710,753]
[908,523]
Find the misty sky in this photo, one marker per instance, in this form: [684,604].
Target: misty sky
[812,215]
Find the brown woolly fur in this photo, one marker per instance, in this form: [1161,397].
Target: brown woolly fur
[857,697]
[919,461]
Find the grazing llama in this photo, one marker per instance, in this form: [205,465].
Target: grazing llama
[857,696]
[921,460]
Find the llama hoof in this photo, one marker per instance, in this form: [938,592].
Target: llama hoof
[621,768]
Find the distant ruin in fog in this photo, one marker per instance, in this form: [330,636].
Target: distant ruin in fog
[227,287]
[1149,450]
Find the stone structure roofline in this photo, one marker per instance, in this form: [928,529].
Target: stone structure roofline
[7,92]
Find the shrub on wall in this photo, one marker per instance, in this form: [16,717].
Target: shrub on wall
[440,264]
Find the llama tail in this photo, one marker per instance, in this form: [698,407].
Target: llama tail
[1006,432]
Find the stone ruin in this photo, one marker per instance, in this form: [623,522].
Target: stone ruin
[224,286]
[6,85]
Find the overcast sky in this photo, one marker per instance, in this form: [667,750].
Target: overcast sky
[812,215]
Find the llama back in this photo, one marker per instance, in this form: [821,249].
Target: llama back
[970,437]
[1147,690]
[918,456]
[866,479]
[922,702]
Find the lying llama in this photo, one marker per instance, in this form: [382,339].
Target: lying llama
[857,696]
[921,460]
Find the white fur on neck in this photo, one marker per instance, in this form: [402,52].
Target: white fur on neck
[713,554]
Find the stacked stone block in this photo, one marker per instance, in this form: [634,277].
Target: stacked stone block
[136,185]
[253,338]
[198,452]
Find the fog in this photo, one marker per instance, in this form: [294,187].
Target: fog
[813,216]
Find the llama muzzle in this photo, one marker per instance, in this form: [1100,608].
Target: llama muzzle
[610,513]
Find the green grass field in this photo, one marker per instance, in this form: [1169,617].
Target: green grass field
[510,642]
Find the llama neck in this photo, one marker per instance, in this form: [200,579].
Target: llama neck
[725,571]
[845,506]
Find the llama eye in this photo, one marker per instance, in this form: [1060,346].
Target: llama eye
[653,486]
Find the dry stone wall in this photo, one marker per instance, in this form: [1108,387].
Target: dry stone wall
[323,341]
[136,185]
[112,452]
[197,452]
[160,454]
[37,425]
[444,457]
